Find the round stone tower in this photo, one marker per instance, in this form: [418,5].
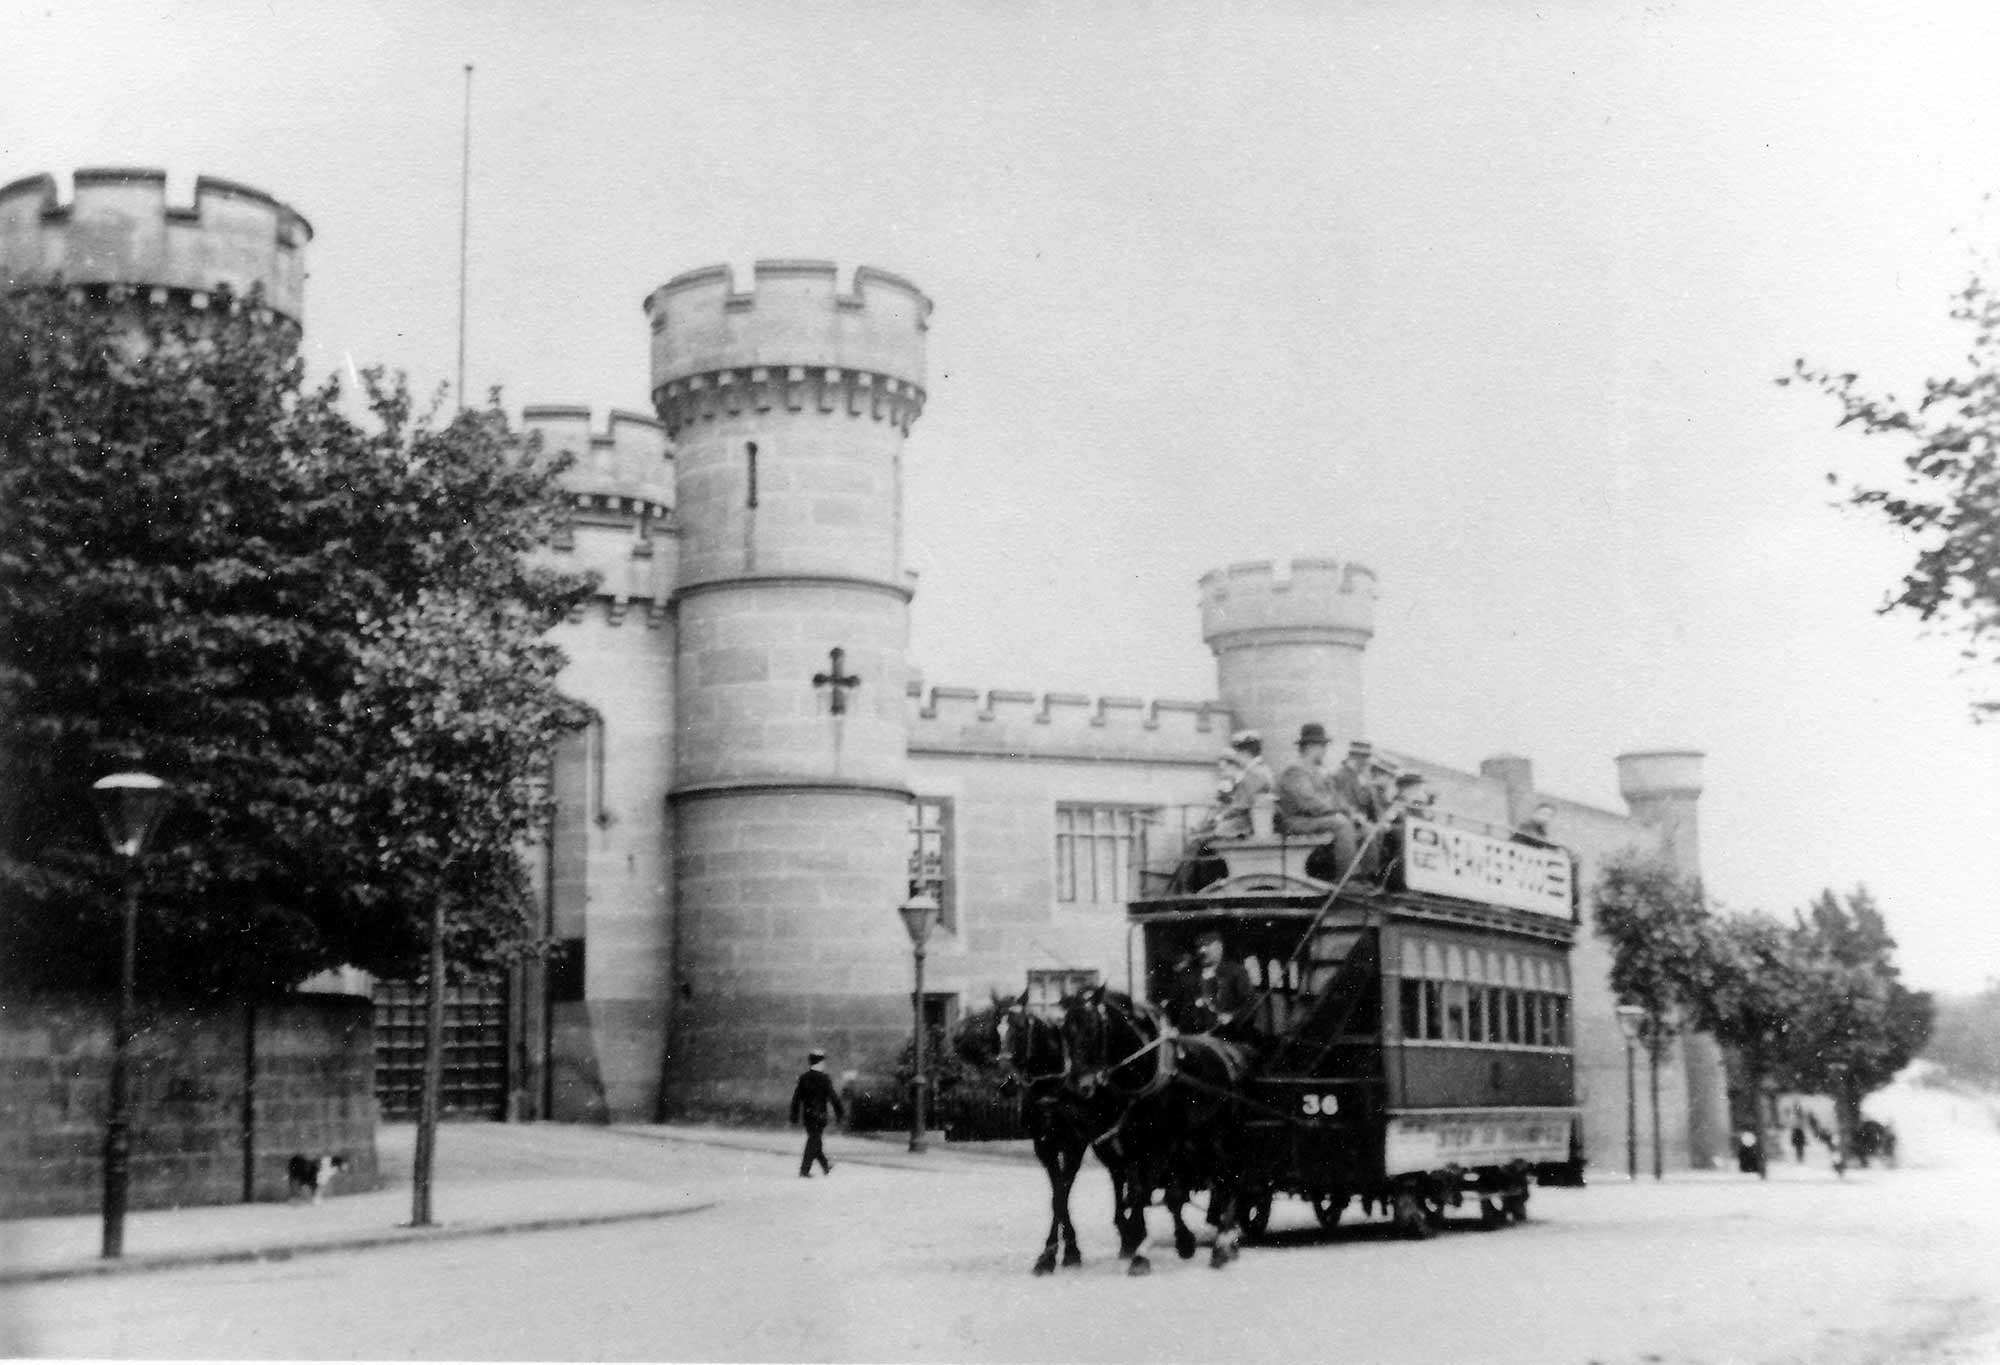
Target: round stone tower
[1663,790]
[607,871]
[117,231]
[788,405]
[1288,643]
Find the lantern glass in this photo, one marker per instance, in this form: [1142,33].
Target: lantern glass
[920,913]
[130,806]
[1630,1017]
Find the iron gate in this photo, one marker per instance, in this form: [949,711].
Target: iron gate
[475,1050]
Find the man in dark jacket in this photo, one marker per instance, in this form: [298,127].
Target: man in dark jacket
[1226,996]
[810,1099]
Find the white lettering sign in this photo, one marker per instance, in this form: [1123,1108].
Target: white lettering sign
[1448,861]
[1427,1142]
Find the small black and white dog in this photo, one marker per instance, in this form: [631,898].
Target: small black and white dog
[314,1175]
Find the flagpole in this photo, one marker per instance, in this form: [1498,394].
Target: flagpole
[464,228]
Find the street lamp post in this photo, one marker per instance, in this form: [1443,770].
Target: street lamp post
[1630,1017]
[130,805]
[919,913]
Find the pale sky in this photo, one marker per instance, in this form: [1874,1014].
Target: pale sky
[1486,296]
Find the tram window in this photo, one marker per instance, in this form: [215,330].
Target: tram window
[1411,993]
[1562,1021]
[1254,970]
[1548,1021]
[1513,1015]
[1475,1018]
[1434,1009]
[1454,1011]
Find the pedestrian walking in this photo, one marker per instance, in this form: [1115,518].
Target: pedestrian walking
[811,1098]
[1798,1144]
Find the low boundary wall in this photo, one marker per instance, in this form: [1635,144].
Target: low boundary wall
[313,1092]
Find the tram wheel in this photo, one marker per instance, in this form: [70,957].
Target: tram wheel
[1256,1214]
[1414,1216]
[1327,1208]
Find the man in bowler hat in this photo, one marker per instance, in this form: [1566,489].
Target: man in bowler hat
[810,1099]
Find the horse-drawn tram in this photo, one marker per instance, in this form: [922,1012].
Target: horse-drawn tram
[1411,1017]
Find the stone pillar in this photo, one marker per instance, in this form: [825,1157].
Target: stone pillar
[1288,642]
[789,405]
[1663,788]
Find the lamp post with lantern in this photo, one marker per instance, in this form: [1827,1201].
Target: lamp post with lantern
[919,913]
[1630,1018]
[130,805]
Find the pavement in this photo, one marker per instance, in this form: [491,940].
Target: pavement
[489,1179]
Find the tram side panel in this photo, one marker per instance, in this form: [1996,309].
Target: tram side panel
[1482,1074]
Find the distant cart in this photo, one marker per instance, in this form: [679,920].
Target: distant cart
[1417,1034]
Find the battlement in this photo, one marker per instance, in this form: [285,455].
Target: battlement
[1317,597]
[1005,722]
[794,317]
[626,468]
[118,229]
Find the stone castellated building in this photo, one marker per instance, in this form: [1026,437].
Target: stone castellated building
[765,775]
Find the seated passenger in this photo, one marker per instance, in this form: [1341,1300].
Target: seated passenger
[1535,829]
[1354,781]
[1252,781]
[1410,799]
[1310,804]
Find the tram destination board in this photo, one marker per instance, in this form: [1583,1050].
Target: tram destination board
[1447,860]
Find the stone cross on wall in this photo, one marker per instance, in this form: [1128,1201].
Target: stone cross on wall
[840,682]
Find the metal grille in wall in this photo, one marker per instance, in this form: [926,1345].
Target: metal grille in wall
[475,1050]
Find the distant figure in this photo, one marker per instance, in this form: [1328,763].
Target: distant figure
[1749,1153]
[1798,1144]
[811,1098]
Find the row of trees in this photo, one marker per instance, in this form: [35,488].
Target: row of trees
[1965,1041]
[327,632]
[1814,1004]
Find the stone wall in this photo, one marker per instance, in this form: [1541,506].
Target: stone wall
[314,1093]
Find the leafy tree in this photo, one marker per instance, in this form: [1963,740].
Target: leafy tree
[325,634]
[1857,1024]
[1657,925]
[1754,983]
[1949,497]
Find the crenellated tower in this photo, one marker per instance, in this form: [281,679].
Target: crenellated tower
[608,868]
[788,405]
[118,231]
[1288,642]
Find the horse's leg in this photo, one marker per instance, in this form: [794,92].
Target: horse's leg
[1072,1158]
[1051,1159]
[1128,1214]
[1175,1196]
[1135,1192]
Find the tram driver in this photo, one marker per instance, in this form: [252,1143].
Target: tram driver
[1225,1000]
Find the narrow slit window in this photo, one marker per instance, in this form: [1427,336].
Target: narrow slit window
[750,481]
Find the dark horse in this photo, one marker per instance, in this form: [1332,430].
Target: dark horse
[1179,1103]
[1027,1050]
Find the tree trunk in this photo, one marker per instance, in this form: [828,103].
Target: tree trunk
[1653,1083]
[250,1101]
[427,1108]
